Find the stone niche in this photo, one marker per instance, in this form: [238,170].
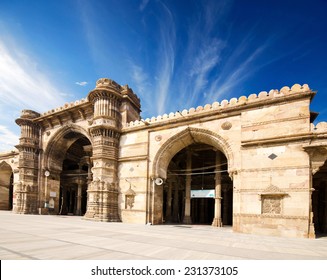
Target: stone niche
[129,198]
[272,201]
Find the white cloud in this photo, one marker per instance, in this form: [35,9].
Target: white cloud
[139,77]
[82,84]
[22,86]
[236,73]
[166,60]
[8,139]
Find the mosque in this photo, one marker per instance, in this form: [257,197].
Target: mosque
[255,163]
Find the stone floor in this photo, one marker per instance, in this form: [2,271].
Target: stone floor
[66,237]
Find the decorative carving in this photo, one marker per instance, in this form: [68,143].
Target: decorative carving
[129,198]
[158,138]
[318,156]
[271,199]
[226,125]
[272,190]
[272,205]
[105,82]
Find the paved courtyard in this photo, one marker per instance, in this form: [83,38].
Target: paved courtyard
[66,237]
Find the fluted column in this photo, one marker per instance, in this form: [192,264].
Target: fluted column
[102,203]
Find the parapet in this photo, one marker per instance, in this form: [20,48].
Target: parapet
[103,83]
[319,127]
[225,104]
[65,107]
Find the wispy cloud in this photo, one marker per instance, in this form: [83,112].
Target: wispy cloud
[143,5]
[22,86]
[21,83]
[203,52]
[204,63]
[82,84]
[91,31]
[166,61]
[139,77]
[237,68]
[8,139]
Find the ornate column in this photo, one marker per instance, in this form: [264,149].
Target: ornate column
[175,215]
[169,199]
[226,206]
[217,219]
[79,197]
[187,217]
[102,204]
[26,190]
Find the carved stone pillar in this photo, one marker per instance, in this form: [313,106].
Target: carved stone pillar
[79,198]
[168,203]
[175,215]
[217,218]
[187,217]
[26,190]
[226,205]
[102,202]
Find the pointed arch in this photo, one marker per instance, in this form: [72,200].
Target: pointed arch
[54,149]
[6,186]
[185,138]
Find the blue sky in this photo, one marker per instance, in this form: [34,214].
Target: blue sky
[174,54]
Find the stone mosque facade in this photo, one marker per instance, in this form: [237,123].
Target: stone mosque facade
[256,163]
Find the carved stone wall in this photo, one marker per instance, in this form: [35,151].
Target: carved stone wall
[247,130]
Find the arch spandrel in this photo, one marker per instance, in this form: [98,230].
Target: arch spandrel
[185,138]
[5,165]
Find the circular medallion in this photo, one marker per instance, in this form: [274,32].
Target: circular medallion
[158,138]
[226,125]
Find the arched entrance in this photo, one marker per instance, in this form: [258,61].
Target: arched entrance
[195,164]
[75,177]
[192,177]
[68,160]
[319,201]
[6,186]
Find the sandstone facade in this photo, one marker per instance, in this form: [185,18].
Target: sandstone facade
[256,163]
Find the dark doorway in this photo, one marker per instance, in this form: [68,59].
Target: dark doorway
[319,201]
[202,177]
[202,210]
[75,177]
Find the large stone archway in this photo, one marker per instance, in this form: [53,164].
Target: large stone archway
[53,154]
[188,137]
[67,160]
[185,138]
